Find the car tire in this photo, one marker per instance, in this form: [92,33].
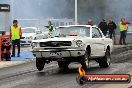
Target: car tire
[40,64]
[105,61]
[85,60]
[63,64]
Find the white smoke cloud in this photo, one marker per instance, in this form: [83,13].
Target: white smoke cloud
[87,9]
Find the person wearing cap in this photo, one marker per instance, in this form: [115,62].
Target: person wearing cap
[15,34]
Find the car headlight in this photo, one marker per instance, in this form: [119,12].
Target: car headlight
[79,43]
[26,37]
[30,37]
[35,44]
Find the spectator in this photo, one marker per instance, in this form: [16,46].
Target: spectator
[112,28]
[5,49]
[90,22]
[103,27]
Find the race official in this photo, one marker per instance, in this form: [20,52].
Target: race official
[123,26]
[15,34]
[50,29]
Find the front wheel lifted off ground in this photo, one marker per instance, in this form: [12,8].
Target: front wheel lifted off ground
[106,60]
[40,64]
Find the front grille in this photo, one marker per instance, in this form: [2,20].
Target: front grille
[55,43]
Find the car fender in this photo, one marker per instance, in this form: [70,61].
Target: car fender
[86,45]
[110,44]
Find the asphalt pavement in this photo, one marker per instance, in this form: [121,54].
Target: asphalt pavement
[27,76]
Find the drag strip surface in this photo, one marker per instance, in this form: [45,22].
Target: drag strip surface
[27,76]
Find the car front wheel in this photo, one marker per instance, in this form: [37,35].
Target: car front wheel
[106,60]
[40,64]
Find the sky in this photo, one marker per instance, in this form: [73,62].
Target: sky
[87,9]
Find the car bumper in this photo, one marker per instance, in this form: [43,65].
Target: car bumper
[57,52]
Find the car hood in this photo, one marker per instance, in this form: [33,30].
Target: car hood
[59,39]
[28,34]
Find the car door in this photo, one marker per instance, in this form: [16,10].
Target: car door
[98,46]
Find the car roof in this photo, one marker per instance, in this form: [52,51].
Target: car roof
[29,27]
[77,26]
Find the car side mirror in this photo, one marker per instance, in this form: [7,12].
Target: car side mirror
[94,36]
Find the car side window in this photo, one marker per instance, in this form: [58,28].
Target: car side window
[96,33]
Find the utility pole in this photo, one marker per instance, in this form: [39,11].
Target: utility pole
[76,22]
[12,3]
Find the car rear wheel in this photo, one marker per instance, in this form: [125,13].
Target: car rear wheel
[106,60]
[63,64]
[85,60]
[40,64]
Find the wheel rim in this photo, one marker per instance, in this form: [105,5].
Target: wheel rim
[86,60]
[108,58]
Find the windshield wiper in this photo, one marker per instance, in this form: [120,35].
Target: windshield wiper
[73,35]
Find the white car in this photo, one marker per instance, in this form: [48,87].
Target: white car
[43,35]
[129,31]
[28,34]
[73,43]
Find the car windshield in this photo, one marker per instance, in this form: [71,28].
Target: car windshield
[72,31]
[28,30]
[44,29]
